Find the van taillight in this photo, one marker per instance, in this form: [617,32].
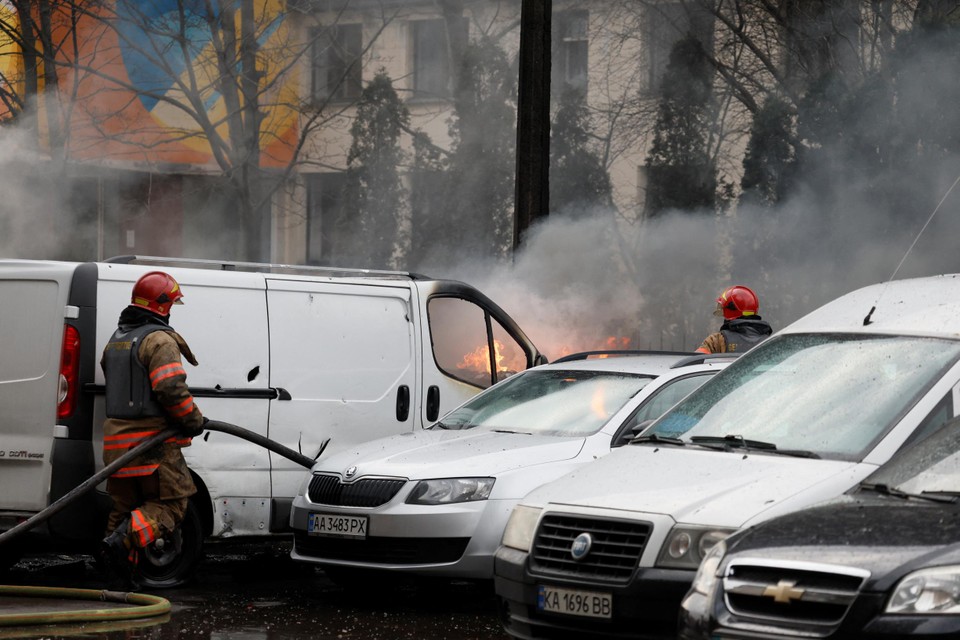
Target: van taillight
[69,372]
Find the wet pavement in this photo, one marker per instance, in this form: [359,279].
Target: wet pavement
[253,591]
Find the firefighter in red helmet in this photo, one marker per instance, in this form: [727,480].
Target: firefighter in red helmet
[146,392]
[742,327]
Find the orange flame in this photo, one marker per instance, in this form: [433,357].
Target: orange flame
[611,343]
[597,403]
[479,358]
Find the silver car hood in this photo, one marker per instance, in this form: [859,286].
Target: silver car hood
[696,486]
[439,453]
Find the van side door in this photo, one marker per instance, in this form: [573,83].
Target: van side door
[344,354]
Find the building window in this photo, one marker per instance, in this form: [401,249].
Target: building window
[665,24]
[325,210]
[430,48]
[570,50]
[336,67]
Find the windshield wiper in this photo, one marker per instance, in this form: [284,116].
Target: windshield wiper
[887,490]
[734,442]
[730,442]
[658,439]
[524,433]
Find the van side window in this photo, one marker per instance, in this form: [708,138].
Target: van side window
[464,335]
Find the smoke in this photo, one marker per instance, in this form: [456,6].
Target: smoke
[33,204]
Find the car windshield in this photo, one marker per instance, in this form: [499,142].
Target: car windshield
[550,402]
[929,466]
[832,395]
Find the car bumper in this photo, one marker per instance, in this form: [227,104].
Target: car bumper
[702,620]
[456,540]
[646,607]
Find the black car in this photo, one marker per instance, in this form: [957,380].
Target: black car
[882,561]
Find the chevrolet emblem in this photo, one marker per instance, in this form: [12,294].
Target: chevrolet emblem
[784,592]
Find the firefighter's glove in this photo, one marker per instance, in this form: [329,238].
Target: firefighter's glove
[193,432]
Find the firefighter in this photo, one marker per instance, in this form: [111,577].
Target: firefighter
[146,392]
[742,327]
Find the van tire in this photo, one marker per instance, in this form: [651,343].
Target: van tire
[174,567]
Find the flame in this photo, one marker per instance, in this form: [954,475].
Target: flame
[610,343]
[479,358]
[597,403]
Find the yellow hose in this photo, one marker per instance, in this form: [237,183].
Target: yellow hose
[145,605]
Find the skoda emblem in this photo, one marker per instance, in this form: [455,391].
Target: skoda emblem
[581,546]
[352,471]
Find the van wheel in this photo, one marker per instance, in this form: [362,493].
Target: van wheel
[175,562]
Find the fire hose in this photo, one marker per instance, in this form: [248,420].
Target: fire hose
[94,480]
[145,605]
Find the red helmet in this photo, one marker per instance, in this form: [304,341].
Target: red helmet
[156,291]
[737,301]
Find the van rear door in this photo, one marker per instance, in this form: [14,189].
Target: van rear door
[345,354]
[31,339]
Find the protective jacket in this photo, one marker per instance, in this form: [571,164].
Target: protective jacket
[147,392]
[737,335]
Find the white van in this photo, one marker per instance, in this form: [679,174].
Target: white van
[611,549]
[317,359]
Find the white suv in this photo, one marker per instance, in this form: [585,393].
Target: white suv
[611,548]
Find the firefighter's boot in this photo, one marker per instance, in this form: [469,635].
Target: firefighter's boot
[120,558]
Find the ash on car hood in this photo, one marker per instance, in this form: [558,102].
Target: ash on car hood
[439,453]
[698,486]
[880,534]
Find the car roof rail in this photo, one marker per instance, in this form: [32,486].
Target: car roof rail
[613,353]
[703,358]
[261,267]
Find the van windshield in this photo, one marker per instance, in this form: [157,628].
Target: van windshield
[832,395]
[551,402]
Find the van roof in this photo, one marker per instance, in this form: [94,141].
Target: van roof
[928,306]
[262,267]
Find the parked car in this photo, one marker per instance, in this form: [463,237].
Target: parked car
[611,548]
[435,502]
[883,561]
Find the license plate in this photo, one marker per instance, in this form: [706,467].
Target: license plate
[574,602]
[329,524]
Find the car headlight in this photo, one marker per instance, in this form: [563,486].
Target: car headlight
[686,547]
[451,490]
[928,591]
[521,527]
[706,579]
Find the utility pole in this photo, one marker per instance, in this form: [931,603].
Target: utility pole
[533,118]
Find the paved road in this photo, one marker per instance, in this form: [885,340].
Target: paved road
[254,591]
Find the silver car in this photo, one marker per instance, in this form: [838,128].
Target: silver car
[435,502]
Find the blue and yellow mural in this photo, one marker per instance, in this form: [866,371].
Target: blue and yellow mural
[158,61]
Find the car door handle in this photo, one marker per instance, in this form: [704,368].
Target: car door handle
[403,403]
[433,403]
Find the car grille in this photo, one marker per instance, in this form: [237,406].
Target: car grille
[812,595]
[382,550]
[614,554]
[368,492]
